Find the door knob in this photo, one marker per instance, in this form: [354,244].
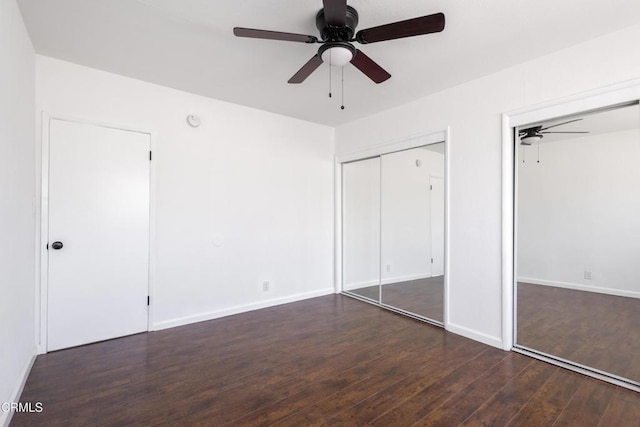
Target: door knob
[57,245]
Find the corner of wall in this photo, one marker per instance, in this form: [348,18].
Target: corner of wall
[17,181]
[5,417]
[475,335]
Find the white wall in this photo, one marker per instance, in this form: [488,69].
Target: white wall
[406,213]
[243,199]
[578,210]
[473,111]
[17,186]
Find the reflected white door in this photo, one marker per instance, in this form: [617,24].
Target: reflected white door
[98,280]
[437,225]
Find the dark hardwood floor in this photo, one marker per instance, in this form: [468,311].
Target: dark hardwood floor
[596,330]
[326,361]
[424,297]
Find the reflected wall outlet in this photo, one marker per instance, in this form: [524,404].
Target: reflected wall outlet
[265,286]
[587,274]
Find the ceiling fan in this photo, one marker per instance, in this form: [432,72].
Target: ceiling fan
[535,134]
[337,24]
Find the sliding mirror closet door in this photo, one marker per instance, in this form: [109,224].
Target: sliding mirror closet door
[578,243]
[412,231]
[361,228]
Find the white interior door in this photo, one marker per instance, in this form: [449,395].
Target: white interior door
[437,225]
[98,280]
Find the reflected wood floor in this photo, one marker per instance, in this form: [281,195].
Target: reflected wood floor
[597,330]
[424,297]
[325,361]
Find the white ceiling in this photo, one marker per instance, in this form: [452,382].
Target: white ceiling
[189,45]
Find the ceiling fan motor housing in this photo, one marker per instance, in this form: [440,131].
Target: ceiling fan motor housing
[338,33]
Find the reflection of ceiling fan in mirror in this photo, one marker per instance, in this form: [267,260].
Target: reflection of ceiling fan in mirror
[535,134]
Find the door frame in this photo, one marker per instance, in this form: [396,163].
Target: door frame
[399,144]
[42,278]
[599,99]
[431,177]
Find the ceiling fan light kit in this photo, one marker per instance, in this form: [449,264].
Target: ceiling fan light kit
[337,54]
[337,24]
[531,139]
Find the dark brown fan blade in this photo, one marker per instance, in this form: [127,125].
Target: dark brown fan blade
[306,70]
[335,12]
[563,132]
[563,123]
[273,35]
[397,30]
[372,70]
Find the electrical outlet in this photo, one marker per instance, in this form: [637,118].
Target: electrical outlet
[587,274]
[265,286]
[388,268]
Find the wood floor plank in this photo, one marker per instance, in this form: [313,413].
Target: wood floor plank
[401,389]
[361,391]
[506,403]
[329,360]
[360,376]
[464,403]
[623,410]
[420,404]
[549,401]
[588,404]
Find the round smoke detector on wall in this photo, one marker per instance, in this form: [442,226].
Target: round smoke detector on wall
[193,120]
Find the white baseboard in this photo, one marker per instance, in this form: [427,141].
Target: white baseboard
[475,335]
[5,417]
[580,287]
[202,317]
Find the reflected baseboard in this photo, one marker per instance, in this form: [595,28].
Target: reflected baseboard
[387,281]
[580,287]
[360,285]
[407,278]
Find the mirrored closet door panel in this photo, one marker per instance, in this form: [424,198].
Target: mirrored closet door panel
[578,242]
[361,228]
[412,231]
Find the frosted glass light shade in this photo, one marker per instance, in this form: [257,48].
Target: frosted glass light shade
[337,56]
[528,140]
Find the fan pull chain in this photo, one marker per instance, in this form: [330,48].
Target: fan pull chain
[538,151]
[330,67]
[342,71]
[524,152]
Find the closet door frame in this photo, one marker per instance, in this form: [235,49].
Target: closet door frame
[400,144]
[591,101]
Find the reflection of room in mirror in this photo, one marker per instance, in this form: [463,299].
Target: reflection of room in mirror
[361,227]
[578,243]
[412,230]
[394,230]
